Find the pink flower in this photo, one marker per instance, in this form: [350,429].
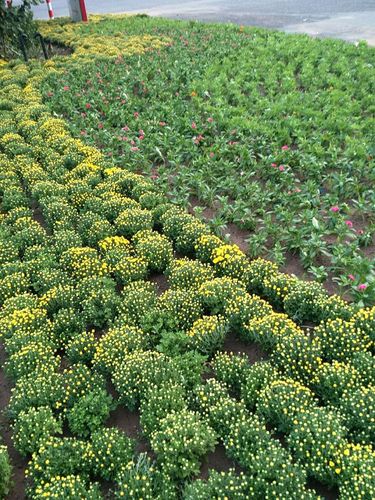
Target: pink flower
[126,128]
[123,101]
[281,168]
[136,114]
[83,132]
[194,125]
[141,137]
[274,165]
[362,287]
[141,132]
[83,115]
[100,125]
[49,94]
[351,277]
[88,105]
[66,87]
[285,148]
[360,231]
[334,209]
[212,154]
[134,149]
[162,124]
[349,223]
[210,119]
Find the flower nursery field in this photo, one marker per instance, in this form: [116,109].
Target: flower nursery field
[143,354]
[269,136]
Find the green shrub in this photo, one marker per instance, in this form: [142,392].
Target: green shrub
[69,487]
[116,344]
[158,402]
[281,401]
[5,472]
[130,221]
[180,442]
[185,273]
[155,248]
[340,340]
[33,427]
[259,376]
[137,372]
[112,449]
[144,480]
[60,457]
[220,485]
[270,466]
[207,334]
[217,294]
[358,409]
[316,436]
[90,412]
[136,300]
[232,369]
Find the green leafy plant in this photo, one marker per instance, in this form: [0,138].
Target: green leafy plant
[169,443]
[89,413]
[6,472]
[33,427]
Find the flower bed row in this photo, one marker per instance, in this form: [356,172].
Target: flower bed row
[79,239]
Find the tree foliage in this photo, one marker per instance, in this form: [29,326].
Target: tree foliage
[14,22]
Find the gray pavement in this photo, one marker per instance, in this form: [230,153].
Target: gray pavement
[350,20]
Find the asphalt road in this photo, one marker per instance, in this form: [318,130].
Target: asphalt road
[351,20]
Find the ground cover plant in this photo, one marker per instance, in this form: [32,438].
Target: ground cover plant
[270,132]
[116,299]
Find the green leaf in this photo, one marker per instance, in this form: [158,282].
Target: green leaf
[315,223]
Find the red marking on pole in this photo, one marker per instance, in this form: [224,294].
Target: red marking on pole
[50,9]
[83,10]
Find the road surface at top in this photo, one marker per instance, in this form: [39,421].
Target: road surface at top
[350,20]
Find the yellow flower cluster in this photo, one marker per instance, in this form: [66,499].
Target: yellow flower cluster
[113,242]
[86,45]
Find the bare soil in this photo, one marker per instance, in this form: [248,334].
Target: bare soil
[217,460]
[161,282]
[235,345]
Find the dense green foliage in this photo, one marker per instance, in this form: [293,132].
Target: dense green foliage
[16,21]
[274,133]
